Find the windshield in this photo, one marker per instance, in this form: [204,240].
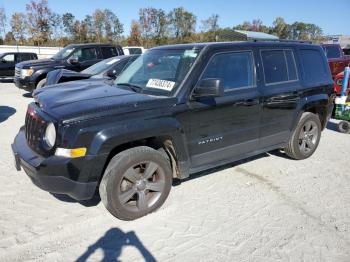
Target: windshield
[64,53]
[159,70]
[100,67]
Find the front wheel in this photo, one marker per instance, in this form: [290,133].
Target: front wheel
[136,182]
[305,138]
[41,83]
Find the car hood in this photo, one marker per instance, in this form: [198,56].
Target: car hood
[55,76]
[84,99]
[37,63]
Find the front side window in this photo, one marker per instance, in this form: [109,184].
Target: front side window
[9,58]
[64,53]
[159,70]
[85,54]
[279,66]
[235,70]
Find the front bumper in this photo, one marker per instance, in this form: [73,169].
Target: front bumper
[54,174]
[25,84]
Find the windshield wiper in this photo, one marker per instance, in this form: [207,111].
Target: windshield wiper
[133,87]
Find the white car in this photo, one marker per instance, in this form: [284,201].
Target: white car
[134,50]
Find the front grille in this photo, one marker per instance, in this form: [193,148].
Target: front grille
[34,127]
[17,72]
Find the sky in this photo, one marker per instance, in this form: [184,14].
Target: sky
[332,15]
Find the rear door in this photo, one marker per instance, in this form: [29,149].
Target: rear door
[86,56]
[279,95]
[227,127]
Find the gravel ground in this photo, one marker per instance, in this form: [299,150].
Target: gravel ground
[268,208]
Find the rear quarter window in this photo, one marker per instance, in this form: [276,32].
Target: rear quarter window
[314,66]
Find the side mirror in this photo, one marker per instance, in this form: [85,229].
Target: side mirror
[209,87]
[112,74]
[73,61]
[3,60]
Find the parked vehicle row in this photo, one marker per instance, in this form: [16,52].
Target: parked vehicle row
[176,110]
[32,74]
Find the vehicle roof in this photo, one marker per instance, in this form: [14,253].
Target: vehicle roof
[92,44]
[236,43]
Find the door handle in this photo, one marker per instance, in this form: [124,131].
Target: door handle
[247,102]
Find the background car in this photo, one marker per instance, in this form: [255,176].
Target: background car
[133,50]
[337,60]
[107,69]
[338,83]
[8,61]
[76,57]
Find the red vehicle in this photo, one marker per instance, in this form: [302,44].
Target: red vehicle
[336,59]
[338,83]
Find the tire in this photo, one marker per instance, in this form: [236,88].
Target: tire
[41,83]
[136,182]
[305,138]
[344,127]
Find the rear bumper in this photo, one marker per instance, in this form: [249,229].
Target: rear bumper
[24,84]
[51,174]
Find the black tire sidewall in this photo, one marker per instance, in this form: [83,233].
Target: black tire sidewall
[114,174]
[344,127]
[295,143]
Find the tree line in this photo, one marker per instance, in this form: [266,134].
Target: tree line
[39,25]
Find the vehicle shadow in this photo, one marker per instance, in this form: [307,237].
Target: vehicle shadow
[6,112]
[27,95]
[112,244]
[6,80]
[87,203]
[177,182]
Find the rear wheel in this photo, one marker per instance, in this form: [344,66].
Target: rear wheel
[344,127]
[305,138]
[136,182]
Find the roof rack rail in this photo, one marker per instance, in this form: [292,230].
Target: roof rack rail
[283,40]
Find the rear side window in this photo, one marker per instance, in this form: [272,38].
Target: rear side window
[108,52]
[332,52]
[235,69]
[279,66]
[314,65]
[25,57]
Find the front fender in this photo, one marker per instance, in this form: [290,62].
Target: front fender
[108,139]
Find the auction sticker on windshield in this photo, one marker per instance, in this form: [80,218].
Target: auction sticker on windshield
[161,84]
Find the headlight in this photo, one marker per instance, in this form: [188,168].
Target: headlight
[26,72]
[50,135]
[339,82]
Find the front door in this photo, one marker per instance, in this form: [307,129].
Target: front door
[227,127]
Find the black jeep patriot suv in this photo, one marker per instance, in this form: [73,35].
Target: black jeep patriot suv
[77,57]
[175,111]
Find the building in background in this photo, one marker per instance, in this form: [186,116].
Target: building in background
[342,40]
